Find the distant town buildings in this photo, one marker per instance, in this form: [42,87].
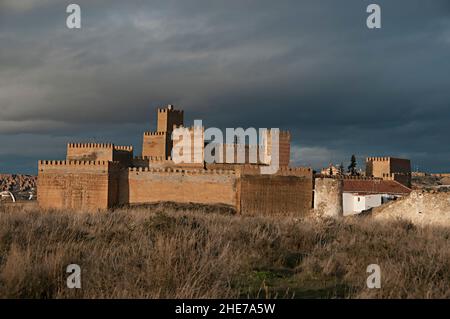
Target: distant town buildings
[332,170]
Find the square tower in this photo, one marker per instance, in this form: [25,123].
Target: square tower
[389,168]
[159,143]
[168,117]
[284,147]
[99,152]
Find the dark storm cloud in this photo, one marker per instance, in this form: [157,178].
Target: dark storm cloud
[308,66]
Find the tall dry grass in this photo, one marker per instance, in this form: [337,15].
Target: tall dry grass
[170,252]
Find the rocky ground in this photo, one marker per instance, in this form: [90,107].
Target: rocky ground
[20,185]
[421,207]
[421,182]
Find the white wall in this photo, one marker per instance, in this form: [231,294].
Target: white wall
[355,204]
[348,204]
[359,203]
[373,201]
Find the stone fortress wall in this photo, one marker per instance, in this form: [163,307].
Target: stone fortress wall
[150,185]
[100,176]
[77,184]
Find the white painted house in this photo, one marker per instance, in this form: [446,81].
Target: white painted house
[363,194]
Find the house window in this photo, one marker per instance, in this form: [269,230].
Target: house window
[359,199]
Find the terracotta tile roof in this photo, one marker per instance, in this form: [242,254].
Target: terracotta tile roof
[375,187]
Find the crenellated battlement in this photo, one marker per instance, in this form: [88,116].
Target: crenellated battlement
[378,159]
[295,169]
[155,133]
[44,165]
[170,109]
[48,163]
[383,159]
[97,152]
[363,178]
[91,145]
[349,177]
[153,158]
[396,176]
[74,163]
[172,170]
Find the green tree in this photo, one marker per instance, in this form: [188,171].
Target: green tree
[352,167]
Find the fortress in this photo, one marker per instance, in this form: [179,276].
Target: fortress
[100,176]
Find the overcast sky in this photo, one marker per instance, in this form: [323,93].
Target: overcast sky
[310,66]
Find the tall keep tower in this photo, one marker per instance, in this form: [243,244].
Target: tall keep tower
[168,117]
[284,147]
[159,142]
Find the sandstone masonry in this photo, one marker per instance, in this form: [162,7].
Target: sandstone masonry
[100,176]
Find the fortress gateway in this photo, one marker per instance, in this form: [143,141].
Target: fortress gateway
[100,176]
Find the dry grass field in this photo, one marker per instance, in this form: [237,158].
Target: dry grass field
[165,251]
